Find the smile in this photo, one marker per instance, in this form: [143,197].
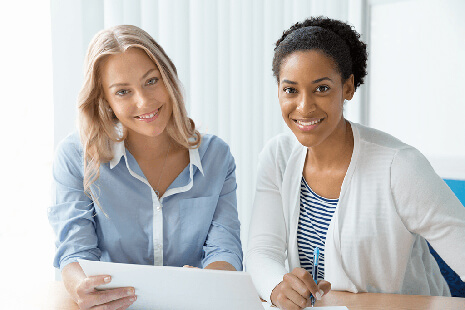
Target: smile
[307,125]
[149,117]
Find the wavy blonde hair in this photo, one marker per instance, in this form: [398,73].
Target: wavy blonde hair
[98,125]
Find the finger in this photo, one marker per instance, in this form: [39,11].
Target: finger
[107,296]
[123,303]
[324,287]
[89,284]
[284,303]
[296,284]
[306,278]
[296,298]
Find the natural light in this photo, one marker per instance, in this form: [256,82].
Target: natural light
[27,152]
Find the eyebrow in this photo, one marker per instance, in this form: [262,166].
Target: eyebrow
[313,82]
[126,84]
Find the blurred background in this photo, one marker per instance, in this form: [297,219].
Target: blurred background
[223,51]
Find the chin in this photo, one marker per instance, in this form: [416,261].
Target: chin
[307,140]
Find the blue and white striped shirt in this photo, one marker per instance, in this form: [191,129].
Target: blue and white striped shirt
[315,215]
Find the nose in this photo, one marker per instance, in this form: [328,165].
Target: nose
[141,99]
[306,104]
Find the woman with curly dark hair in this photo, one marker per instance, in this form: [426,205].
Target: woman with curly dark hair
[368,201]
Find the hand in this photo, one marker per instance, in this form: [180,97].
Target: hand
[294,292]
[88,297]
[189,266]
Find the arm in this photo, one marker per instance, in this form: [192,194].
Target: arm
[266,253]
[428,207]
[223,248]
[71,217]
[267,246]
[221,265]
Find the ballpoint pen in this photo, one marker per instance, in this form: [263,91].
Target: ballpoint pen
[316,257]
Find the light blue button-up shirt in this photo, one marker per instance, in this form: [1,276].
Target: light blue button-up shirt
[195,222]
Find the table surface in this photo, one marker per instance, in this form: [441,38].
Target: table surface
[57,298]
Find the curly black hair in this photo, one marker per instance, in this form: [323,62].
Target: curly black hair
[335,38]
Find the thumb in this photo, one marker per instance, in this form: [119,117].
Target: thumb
[324,287]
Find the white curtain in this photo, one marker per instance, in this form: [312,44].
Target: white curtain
[223,52]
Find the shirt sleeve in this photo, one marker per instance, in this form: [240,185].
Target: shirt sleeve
[72,211]
[428,207]
[223,241]
[266,253]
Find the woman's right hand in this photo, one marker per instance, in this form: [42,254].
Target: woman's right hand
[90,298]
[294,292]
[82,290]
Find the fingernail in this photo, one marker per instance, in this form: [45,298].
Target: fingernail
[318,295]
[107,279]
[130,291]
[322,293]
[133,298]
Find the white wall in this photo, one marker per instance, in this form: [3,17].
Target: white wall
[417,75]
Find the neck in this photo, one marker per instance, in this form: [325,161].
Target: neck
[147,148]
[335,150]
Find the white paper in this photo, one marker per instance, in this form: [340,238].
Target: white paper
[176,288]
[267,306]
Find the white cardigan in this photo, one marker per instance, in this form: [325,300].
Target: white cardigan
[391,200]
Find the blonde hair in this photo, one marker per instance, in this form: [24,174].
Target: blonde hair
[98,125]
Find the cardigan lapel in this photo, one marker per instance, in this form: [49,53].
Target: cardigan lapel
[291,187]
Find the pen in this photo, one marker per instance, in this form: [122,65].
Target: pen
[316,257]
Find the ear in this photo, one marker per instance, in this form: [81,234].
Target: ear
[349,88]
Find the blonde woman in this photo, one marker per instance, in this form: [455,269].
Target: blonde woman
[139,184]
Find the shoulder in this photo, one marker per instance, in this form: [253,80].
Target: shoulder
[280,147]
[383,145]
[214,153]
[212,144]
[70,146]
[69,152]
[378,138]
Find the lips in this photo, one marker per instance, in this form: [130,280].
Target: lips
[307,124]
[148,117]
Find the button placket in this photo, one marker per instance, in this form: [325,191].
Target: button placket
[157,230]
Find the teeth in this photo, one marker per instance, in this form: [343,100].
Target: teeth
[149,115]
[309,123]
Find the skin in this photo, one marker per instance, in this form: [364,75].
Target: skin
[133,86]
[310,88]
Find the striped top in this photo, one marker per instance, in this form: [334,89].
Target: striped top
[315,214]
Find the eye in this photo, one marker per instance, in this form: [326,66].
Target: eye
[322,88]
[122,92]
[152,81]
[289,90]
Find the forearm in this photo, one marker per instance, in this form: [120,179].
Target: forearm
[72,274]
[221,265]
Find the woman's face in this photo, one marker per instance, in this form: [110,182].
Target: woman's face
[134,88]
[311,95]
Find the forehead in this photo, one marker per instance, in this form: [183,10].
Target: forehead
[133,61]
[309,65]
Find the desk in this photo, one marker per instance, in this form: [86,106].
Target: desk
[58,299]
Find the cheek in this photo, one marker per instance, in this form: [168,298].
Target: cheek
[286,108]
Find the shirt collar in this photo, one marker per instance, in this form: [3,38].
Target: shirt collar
[119,151]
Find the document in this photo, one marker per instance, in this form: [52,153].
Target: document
[176,288]
[269,307]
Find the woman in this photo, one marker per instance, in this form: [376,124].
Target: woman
[139,184]
[367,200]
